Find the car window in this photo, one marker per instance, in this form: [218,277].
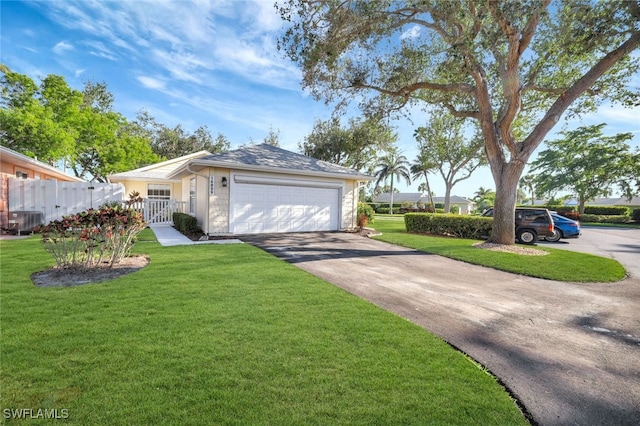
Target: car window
[536,216]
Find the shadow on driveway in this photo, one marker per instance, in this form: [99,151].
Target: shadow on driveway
[570,352]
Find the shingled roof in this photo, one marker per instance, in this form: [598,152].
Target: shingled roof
[266,157]
[157,171]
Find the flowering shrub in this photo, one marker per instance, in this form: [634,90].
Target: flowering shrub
[87,239]
[365,214]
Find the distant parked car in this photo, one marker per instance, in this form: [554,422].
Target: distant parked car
[563,228]
[531,224]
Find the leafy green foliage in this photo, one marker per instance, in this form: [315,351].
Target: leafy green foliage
[167,142]
[421,167]
[54,122]
[389,166]
[636,215]
[484,198]
[589,164]
[515,67]
[39,121]
[607,210]
[443,142]
[356,146]
[452,225]
[602,218]
[87,239]
[559,265]
[185,223]
[365,212]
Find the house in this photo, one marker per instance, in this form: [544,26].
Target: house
[399,198]
[152,182]
[618,202]
[465,206]
[262,188]
[16,165]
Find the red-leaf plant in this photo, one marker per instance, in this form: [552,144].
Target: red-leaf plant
[88,239]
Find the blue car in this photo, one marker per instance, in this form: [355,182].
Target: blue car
[563,228]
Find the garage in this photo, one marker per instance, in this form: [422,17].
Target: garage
[266,189]
[258,207]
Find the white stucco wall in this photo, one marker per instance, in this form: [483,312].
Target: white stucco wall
[218,214]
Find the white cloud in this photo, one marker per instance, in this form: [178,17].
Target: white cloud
[151,83]
[100,50]
[187,40]
[412,32]
[62,47]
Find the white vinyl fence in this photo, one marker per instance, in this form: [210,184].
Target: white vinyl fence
[159,211]
[56,199]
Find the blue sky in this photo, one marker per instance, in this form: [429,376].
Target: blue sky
[198,63]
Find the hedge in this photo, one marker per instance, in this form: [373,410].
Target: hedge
[606,210]
[636,215]
[452,225]
[185,223]
[378,206]
[601,218]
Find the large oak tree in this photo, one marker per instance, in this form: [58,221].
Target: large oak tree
[513,66]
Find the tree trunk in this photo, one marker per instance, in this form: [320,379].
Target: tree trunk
[433,206]
[506,179]
[447,197]
[581,202]
[391,197]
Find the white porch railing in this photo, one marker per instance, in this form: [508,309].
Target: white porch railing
[159,211]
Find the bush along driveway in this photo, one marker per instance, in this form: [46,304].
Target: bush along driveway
[568,351]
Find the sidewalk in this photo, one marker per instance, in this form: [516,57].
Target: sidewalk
[167,236]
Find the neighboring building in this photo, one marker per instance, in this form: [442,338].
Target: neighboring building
[262,188]
[465,206]
[400,197]
[633,203]
[621,201]
[16,165]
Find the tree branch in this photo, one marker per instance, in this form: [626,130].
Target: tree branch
[581,86]
[409,89]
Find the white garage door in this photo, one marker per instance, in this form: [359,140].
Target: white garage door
[257,208]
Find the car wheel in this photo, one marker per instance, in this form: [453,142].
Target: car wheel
[527,236]
[557,234]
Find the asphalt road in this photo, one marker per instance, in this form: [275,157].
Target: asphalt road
[569,352]
[621,244]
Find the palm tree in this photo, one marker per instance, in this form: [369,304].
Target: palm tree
[390,165]
[422,166]
[528,183]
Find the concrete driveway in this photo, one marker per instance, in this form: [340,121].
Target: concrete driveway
[569,352]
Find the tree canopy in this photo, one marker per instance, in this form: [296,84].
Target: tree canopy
[391,165]
[172,142]
[443,141]
[589,164]
[356,146]
[53,122]
[515,67]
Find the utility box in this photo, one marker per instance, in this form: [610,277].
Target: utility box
[24,221]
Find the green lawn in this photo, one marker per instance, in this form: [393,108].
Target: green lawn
[227,335]
[559,265]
